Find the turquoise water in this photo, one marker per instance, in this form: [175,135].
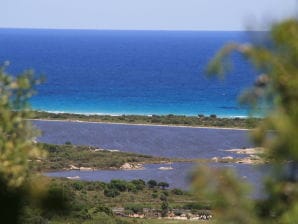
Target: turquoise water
[128,72]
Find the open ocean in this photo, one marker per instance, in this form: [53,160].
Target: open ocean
[128,72]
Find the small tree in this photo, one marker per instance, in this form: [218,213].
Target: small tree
[139,184]
[164,208]
[163,185]
[151,183]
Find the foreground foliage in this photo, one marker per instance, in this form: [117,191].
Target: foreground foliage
[18,188]
[275,94]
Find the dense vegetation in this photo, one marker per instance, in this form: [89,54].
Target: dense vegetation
[200,120]
[98,202]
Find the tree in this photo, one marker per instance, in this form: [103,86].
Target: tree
[152,183]
[139,184]
[275,95]
[163,185]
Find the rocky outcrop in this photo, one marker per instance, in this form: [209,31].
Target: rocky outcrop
[86,168]
[131,166]
[72,167]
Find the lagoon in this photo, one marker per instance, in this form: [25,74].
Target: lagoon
[155,140]
[163,141]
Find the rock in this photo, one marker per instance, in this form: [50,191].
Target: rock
[126,166]
[73,178]
[165,168]
[129,166]
[214,159]
[113,150]
[86,168]
[227,158]
[72,167]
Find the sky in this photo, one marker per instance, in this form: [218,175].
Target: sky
[145,14]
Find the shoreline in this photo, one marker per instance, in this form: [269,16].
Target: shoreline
[170,120]
[138,114]
[139,124]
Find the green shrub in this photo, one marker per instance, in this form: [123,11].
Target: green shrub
[163,197]
[139,184]
[165,193]
[177,191]
[154,195]
[135,208]
[111,192]
[77,185]
[120,185]
[163,185]
[104,209]
[151,183]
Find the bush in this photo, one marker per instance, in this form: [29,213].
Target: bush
[164,208]
[120,185]
[131,187]
[163,197]
[136,209]
[77,185]
[177,191]
[104,209]
[139,184]
[178,213]
[151,183]
[111,193]
[165,193]
[154,195]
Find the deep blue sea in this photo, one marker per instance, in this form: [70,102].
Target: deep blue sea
[128,72]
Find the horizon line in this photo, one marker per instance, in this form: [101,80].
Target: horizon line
[166,30]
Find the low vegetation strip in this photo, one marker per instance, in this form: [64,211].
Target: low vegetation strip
[70,156]
[196,121]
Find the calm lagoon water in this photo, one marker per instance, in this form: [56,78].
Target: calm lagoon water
[177,142]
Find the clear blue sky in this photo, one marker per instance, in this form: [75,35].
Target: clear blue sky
[144,14]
